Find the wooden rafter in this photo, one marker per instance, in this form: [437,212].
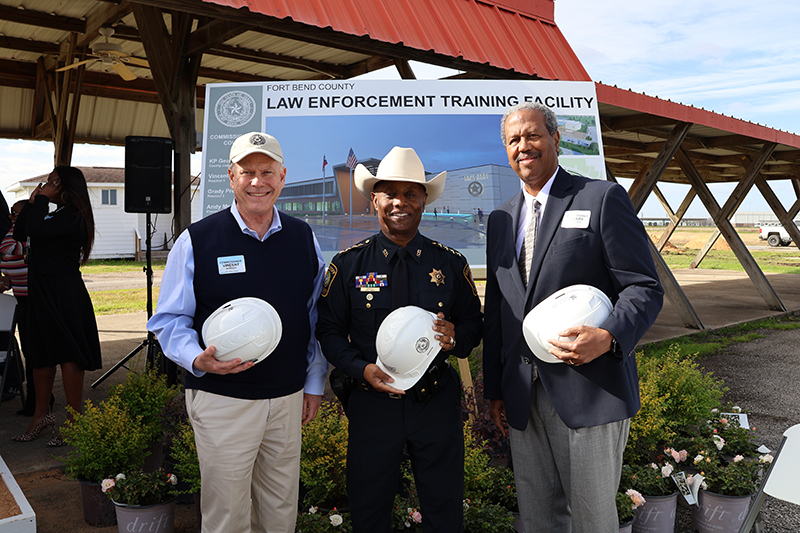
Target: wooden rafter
[672,289]
[736,198]
[729,232]
[676,137]
[674,218]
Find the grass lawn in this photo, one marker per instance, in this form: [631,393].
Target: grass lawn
[122,300]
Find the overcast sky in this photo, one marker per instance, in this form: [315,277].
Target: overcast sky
[734,57]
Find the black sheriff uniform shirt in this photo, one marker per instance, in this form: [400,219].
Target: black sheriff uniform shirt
[357,296]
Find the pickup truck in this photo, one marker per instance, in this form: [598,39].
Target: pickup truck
[775,234]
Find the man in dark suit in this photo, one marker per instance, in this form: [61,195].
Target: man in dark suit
[569,421]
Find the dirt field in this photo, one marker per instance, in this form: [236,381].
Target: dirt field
[695,238]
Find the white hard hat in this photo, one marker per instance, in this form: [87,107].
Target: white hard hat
[246,328]
[576,305]
[406,345]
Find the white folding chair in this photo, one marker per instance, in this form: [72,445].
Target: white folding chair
[9,351]
[781,479]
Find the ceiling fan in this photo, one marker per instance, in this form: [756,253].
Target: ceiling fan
[111,54]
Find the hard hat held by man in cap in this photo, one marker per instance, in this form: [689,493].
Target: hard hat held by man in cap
[395,268]
[250,252]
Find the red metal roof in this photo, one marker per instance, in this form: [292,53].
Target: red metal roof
[518,35]
[664,108]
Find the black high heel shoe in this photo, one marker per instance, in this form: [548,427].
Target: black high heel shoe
[48,420]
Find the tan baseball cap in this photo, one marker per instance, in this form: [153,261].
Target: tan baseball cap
[253,142]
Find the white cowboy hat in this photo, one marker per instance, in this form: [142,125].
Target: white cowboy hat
[400,164]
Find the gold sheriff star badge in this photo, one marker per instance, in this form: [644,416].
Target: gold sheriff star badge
[437,277]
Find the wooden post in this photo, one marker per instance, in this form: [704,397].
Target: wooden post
[469,387]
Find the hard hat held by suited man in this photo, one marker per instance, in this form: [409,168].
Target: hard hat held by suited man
[394,268]
[246,417]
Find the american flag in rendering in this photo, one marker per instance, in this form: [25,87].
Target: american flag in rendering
[352,160]
[324,163]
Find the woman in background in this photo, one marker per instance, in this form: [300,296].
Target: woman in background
[61,325]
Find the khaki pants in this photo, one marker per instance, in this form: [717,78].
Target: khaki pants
[249,452]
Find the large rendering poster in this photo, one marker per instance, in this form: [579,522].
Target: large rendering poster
[452,124]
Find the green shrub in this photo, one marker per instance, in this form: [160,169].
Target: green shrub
[676,399]
[146,394]
[323,459]
[183,453]
[487,518]
[478,475]
[107,439]
[317,521]
[648,427]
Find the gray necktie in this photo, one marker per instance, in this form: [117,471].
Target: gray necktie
[526,251]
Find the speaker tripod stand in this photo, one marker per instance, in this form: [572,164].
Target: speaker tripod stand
[150,344]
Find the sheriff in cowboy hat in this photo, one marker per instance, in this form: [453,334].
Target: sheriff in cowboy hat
[400,164]
[393,269]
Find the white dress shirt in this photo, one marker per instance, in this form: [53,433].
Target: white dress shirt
[527,208]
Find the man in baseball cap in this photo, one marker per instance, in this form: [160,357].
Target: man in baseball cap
[250,477]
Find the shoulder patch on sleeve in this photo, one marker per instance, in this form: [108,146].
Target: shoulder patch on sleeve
[330,275]
[468,277]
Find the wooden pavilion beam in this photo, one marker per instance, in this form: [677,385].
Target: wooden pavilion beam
[175,75]
[786,217]
[42,19]
[672,289]
[404,69]
[645,186]
[736,198]
[674,218]
[723,224]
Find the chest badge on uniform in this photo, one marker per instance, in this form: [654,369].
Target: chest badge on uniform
[437,277]
[371,282]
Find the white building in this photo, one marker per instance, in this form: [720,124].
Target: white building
[117,234]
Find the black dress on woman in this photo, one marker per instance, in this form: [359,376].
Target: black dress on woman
[61,322]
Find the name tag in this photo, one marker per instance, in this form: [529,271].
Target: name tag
[233,264]
[576,219]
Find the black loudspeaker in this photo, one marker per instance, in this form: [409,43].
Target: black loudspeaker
[148,174]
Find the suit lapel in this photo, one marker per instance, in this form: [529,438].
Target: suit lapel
[558,201]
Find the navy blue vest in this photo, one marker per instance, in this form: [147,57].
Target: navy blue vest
[281,271]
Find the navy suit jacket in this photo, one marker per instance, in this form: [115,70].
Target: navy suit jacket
[612,254]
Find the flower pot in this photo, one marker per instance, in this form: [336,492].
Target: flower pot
[656,515]
[159,518]
[98,510]
[716,513]
[626,527]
